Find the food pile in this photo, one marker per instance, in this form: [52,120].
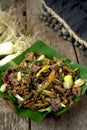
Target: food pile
[41,83]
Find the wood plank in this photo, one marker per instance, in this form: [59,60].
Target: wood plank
[9,120]
[82,56]
[5,4]
[35,25]
[75,118]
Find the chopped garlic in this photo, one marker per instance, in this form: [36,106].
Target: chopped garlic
[19,98]
[19,76]
[41,58]
[63,105]
[60,70]
[3,88]
[78,83]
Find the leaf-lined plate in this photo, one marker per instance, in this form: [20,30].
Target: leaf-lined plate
[41,47]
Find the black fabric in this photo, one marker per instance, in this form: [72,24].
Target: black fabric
[74,12]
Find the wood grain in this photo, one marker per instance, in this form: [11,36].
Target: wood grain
[6,4]
[75,118]
[9,120]
[82,56]
[35,25]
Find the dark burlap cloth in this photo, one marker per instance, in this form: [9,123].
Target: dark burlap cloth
[73,15]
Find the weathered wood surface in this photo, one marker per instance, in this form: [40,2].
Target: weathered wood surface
[9,120]
[76,117]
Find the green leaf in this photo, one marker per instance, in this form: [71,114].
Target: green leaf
[82,74]
[39,46]
[34,115]
[61,111]
[7,96]
[76,99]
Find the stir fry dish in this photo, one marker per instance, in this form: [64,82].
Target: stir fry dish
[42,84]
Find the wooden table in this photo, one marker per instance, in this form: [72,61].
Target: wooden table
[74,119]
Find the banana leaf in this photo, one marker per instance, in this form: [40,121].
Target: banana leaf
[41,47]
